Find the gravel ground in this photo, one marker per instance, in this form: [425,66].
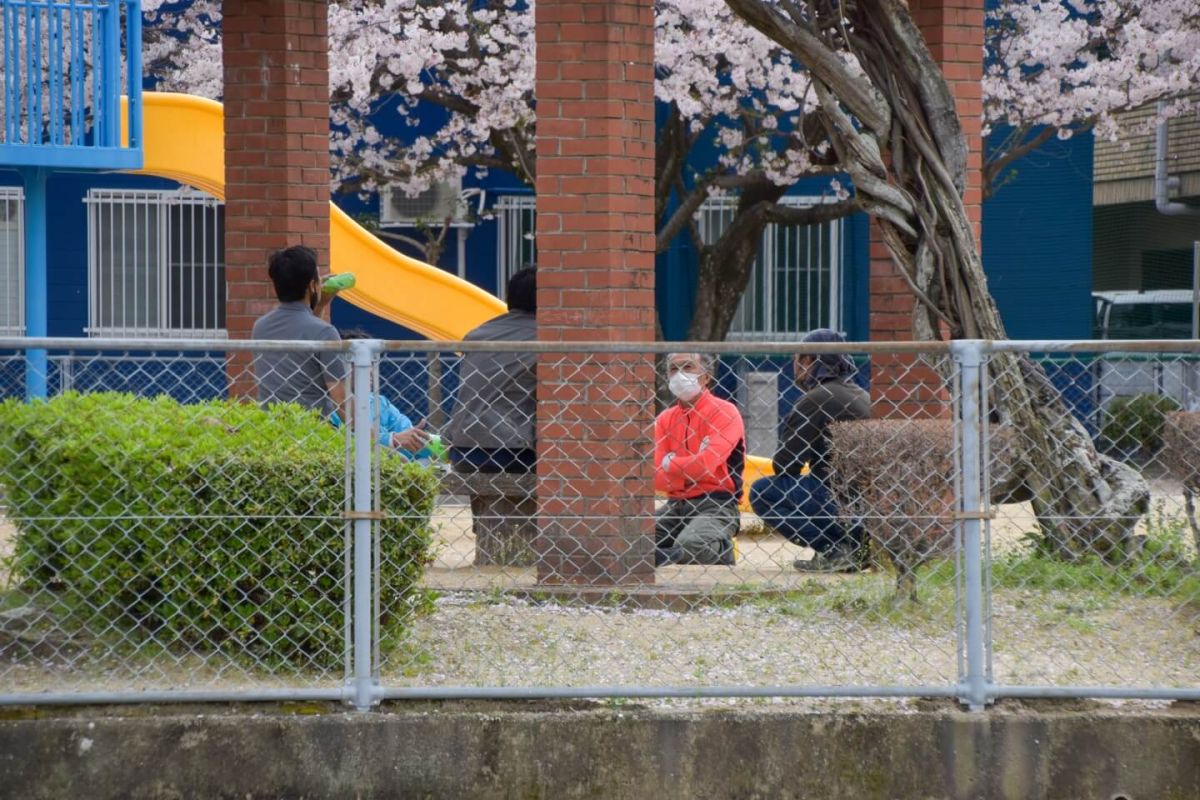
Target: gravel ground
[515,643]
[834,630]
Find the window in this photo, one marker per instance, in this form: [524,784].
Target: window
[12,262]
[156,263]
[517,246]
[794,285]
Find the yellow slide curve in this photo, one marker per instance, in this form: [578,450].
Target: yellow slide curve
[184,140]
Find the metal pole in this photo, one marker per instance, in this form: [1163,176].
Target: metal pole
[133,70]
[461,235]
[435,417]
[1196,290]
[969,355]
[36,362]
[1191,368]
[363,357]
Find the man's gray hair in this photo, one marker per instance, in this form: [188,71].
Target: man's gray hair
[708,361]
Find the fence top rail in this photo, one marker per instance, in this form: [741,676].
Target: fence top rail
[158,344]
[1093,346]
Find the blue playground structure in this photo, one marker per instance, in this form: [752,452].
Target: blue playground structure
[62,111]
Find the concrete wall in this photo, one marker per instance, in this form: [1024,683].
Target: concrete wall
[523,751]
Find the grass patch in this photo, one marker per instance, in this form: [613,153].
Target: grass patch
[1163,567]
[868,597]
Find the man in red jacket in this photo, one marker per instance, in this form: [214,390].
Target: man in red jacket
[699,450]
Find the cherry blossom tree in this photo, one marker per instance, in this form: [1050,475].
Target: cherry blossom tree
[735,101]
[1061,67]
[890,116]
[727,90]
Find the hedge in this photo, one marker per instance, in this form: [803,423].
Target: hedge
[209,527]
[896,478]
[1133,425]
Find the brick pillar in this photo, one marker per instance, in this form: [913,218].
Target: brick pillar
[595,229]
[953,29]
[276,69]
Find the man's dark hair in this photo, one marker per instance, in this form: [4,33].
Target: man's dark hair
[522,290]
[292,270]
[348,334]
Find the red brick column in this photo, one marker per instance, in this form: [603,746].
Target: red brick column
[953,29]
[276,65]
[595,229]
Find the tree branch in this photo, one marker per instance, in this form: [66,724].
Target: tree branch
[781,214]
[687,209]
[993,168]
[821,61]
[670,157]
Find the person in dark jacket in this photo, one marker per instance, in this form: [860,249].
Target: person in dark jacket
[493,426]
[797,501]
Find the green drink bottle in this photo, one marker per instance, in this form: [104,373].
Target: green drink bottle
[436,448]
[336,283]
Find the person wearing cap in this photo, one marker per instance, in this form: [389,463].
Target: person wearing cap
[797,502]
[699,451]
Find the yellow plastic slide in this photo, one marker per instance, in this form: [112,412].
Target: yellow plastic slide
[184,140]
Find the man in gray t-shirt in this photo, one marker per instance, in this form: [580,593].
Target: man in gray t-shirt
[313,380]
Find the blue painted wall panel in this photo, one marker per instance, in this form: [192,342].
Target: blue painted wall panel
[1037,242]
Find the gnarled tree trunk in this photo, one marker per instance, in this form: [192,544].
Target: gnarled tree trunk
[725,266]
[897,134]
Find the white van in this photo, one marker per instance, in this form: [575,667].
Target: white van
[1156,314]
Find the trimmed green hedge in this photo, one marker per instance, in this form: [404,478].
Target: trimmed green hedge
[214,526]
[1133,425]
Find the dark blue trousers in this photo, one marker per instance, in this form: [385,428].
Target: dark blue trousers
[802,509]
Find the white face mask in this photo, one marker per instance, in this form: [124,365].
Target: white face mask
[684,385]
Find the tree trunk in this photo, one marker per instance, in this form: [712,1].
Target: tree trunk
[725,267]
[896,132]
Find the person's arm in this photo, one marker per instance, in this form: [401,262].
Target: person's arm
[333,371]
[663,481]
[802,431]
[323,299]
[725,431]
[398,432]
[337,397]
[412,442]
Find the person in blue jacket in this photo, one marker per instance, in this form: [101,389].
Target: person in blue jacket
[396,431]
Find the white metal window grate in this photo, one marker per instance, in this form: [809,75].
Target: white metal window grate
[795,284]
[517,242]
[12,261]
[156,263]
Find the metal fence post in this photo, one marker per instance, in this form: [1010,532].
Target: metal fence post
[363,354]
[969,356]
[436,417]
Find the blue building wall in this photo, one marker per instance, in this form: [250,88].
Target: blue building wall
[1037,242]
[67,242]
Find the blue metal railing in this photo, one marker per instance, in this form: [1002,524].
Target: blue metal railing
[63,85]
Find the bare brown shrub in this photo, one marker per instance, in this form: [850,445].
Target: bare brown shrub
[897,477]
[1181,454]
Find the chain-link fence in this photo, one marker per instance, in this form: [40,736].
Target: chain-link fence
[969,520]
